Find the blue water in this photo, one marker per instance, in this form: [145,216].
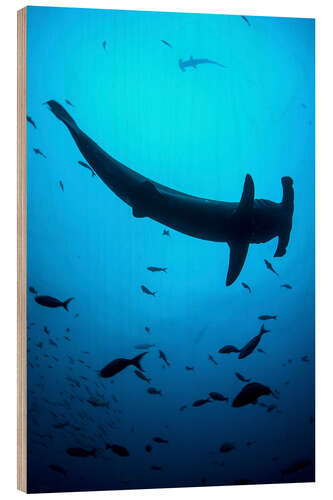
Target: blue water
[199,132]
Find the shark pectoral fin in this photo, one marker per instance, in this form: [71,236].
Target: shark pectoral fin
[238,253]
[147,195]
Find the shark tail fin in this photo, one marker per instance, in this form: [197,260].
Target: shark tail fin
[65,304]
[241,220]
[136,361]
[61,113]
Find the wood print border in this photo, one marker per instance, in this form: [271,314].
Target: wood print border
[21,250]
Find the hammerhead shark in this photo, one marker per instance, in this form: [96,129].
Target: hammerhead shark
[193,63]
[236,223]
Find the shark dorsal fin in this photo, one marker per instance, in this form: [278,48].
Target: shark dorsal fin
[239,245]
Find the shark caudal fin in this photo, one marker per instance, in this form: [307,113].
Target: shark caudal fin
[239,245]
[287,206]
[59,111]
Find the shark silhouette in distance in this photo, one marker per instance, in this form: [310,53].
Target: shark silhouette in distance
[193,63]
[236,223]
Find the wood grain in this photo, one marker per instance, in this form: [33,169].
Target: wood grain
[22,250]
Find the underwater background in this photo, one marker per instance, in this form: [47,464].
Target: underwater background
[199,131]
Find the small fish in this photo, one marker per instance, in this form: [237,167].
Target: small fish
[210,357]
[117,365]
[85,165]
[289,287]
[247,287]
[46,330]
[250,393]
[261,350]
[270,267]
[147,329]
[160,440]
[305,358]
[216,396]
[67,338]
[157,269]
[182,408]
[53,343]
[38,152]
[104,45]
[32,290]
[200,402]
[240,377]
[147,291]
[76,315]
[97,403]
[265,317]
[157,467]
[189,368]
[163,357]
[226,447]
[296,466]
[252,344]
[80,452]
[166,43]
[227,349]
[152,390]
[60,425]
[166,232]
[61,185]
[148,448]
[30,120]
[246,20]
[69,103]
[117,450]
[144,346]
[142,376]
[57,468]
[47,301]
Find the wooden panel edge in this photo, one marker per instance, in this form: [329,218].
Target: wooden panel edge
[22,250]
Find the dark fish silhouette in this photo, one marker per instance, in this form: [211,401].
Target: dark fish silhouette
[80,452]
[85,165]
[246,20]
[296,467]
[182,408]
[30,120]
[61,185]
[226,447]
[148,448]
[210,357]
[227,349]
[57,468]
[252,344]
[69,103]
[47,301]
[117,450]
[193,63]
[247,287]
[266,317]
[104,45]
[144,346]
[250,394]
[238,224]
[157,467]
[189,368]
[201,402]
[286,286]
[117,365]
[167,43]
[147,329]
[32,290]
[305,358]
[163,357]
[240,377]
[166,232]
[216,396]
[270,267]
[142,376]
[160,440]
[38,152]
[147,291]
[157,269]
[155,392]
[260,350]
